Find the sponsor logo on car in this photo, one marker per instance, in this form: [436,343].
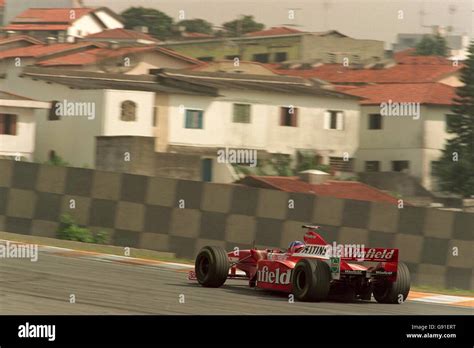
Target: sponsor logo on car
[313,250]
[381,254]
[273,277]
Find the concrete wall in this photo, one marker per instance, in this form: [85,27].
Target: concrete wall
[245,48]
[318,47]
[144,212]
[125,154]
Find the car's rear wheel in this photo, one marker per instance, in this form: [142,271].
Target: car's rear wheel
[212,266]
[394,292]
[311,280]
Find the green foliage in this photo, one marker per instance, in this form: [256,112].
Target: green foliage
[311,162]
[455,170]
[196,26]
[281,164]
[57,161]
[69,230]
[158,23]
[241,26]
[432,46]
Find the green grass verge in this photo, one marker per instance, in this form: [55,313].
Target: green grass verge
[97,248]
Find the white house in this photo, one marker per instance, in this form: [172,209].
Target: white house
[273,114]
[63,24]
[80,112]
[403,128]
[192,113]
[17,125]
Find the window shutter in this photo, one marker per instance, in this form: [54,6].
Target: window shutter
[294,117]
[200,118]
[340,120]
[2,124]
[327,120]
[13,119]
[282,116]
[186,119]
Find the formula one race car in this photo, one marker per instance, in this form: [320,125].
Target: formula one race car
[311,271]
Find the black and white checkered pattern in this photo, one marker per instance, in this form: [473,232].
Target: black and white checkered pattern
[182,216]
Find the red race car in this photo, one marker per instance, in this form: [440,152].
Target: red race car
[312,270]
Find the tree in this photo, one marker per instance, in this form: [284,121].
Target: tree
[455,170]
[241,26]
[159,24]
[432,46]
[196,26]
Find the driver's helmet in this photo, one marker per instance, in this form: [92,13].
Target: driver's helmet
[295,246]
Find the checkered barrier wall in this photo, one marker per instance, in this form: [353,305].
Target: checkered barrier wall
[144,212]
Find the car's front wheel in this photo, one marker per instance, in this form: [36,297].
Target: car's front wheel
[311,280]
[212,266]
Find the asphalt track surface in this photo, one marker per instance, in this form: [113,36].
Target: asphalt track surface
[45,286]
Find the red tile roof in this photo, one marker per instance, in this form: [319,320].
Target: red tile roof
[36,27]
[400,55]
[51,15]
[402,73]
[36,51]
[121,34]
[408,57]
[16,38]
[98,54]
[423,93]
[338,189]
[2,3]
[275,31]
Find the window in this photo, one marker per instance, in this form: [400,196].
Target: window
[372,166]
[194,119]
[332,58]
[375,121]
[241,113]
[54,113]
[334,119]
[206,59]
[288,116]
[400,166]
[341,165]
[355,59]
[281,57]
[128,111]
[8,124]
[261,57]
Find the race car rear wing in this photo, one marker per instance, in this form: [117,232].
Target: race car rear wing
[347,252]
[371,254]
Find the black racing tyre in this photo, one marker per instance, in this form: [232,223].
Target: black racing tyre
[212,266]
[396,292]
[311,280]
